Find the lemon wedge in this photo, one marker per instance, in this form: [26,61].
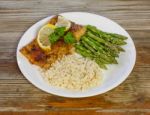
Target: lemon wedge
[63,22]
[42,39]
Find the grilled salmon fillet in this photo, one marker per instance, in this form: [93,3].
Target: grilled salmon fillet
[37,56]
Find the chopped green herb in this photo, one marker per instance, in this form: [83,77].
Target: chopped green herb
[68,38]
[60,31]
[55,36]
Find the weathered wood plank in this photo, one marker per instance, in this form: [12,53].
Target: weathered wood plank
[17,94]
[90,112]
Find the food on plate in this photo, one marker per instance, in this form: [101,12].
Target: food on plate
[100,46]
[57,34]
[77,30]
[71,55]
[42,39]
[73,72]
[63,22]
[43,59]
[53,20]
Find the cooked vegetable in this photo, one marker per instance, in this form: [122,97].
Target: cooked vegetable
[95,46]
[107,59]
[100,40]
[68,38]
[90,56]
[102,47]
[111,37]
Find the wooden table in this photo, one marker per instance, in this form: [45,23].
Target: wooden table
[19,95]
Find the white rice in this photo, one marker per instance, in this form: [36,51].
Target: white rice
[73,72]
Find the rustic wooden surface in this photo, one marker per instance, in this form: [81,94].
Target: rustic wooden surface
[17,94]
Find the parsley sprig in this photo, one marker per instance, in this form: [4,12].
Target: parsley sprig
[58,33]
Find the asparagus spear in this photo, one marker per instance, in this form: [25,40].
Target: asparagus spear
[79,46]
[95,30]
[103,57]
[113,38]
[116,48]
[85,54]
[101,64]
[98,32]
[107,50]
[120,49]
[86,40]
[88,53]
[97,48]
[87,46]
[102,47]
[118,42]
[100,40]
[117,36]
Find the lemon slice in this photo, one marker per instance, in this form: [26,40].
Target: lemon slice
[63,22]
[43,39]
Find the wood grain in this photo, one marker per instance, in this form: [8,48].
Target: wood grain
[75,113]
[17,94]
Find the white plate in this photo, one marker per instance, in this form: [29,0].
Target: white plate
[115,74]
